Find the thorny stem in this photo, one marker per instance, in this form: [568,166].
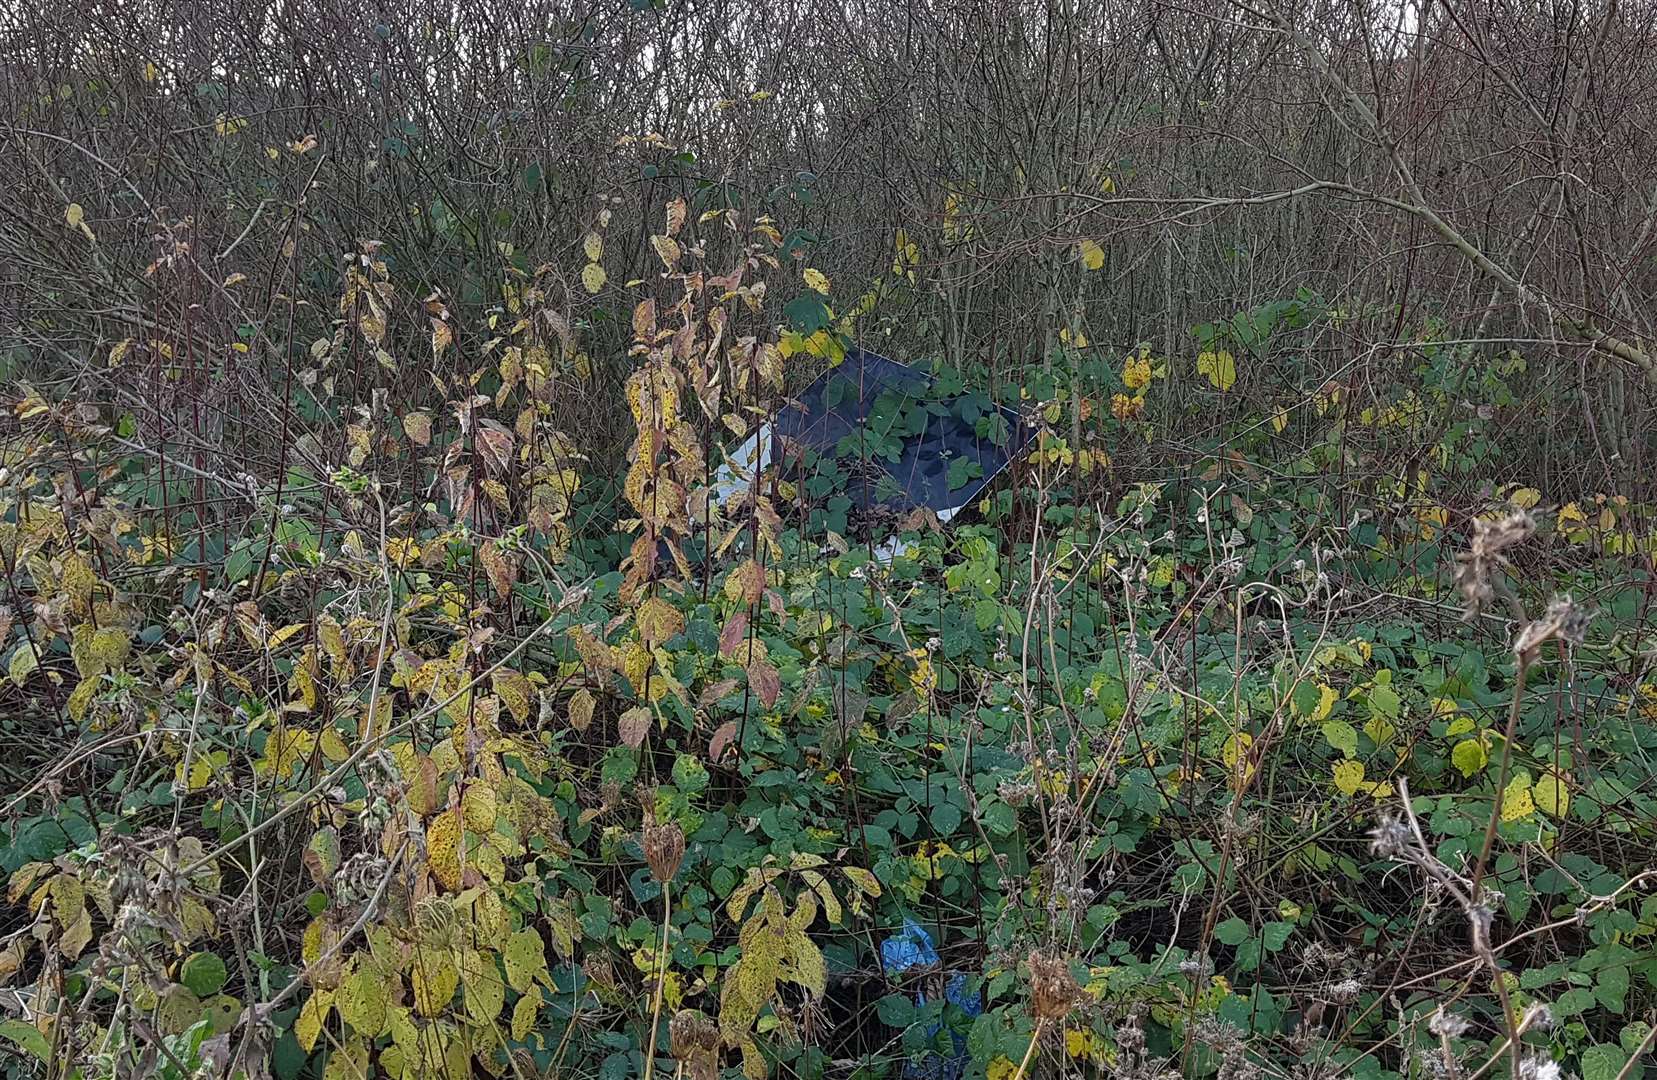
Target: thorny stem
[661,984]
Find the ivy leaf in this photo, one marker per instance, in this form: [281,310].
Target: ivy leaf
[1384,701]
[946,818]
[895,1010]
[1000,819]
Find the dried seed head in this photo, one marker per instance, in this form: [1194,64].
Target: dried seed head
[664,849]
[1491,539]
[1053,990]
[1448,1025]
[1563,622]
[693,1038]
[1390,838]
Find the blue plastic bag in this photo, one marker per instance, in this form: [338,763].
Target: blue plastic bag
[912,949]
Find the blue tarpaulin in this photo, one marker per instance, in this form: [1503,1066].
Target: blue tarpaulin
[849,412]
[891,439]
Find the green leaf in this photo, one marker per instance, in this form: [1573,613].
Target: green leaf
[1233,931]
[1342,736]
[1469,756]
[895,1010]
[946,818]
[1384,701]
[26,1036]
[1000,819]
[1603,1062]
[203,972]
[1275,935]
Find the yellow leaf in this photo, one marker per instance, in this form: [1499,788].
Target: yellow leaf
[523,1015]
[1093,256]
[443,849]
[593,278]
[361,1001]
[1469,756]
[1234,751]
[150,71]
[524,957]
[312,1016]
[24,663]
[434,979]
[479,806]
[815,279]
[1000,1068]
[227,125]
[1517,801]
[1280,420]
[593,245]
[1136,373]
[1220,367]
[1349,776]
[667,249]
[74,215]
[1525,498]
[1552,794]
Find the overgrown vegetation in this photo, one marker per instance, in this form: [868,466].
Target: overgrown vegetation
[388,694]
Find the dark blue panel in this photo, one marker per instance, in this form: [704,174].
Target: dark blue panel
[839,405]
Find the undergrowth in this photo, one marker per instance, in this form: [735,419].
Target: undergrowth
[422,742]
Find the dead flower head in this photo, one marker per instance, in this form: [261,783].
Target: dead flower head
[1563,622]
[1486,555]
[1053,990]
[664,849]
[693,1039]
